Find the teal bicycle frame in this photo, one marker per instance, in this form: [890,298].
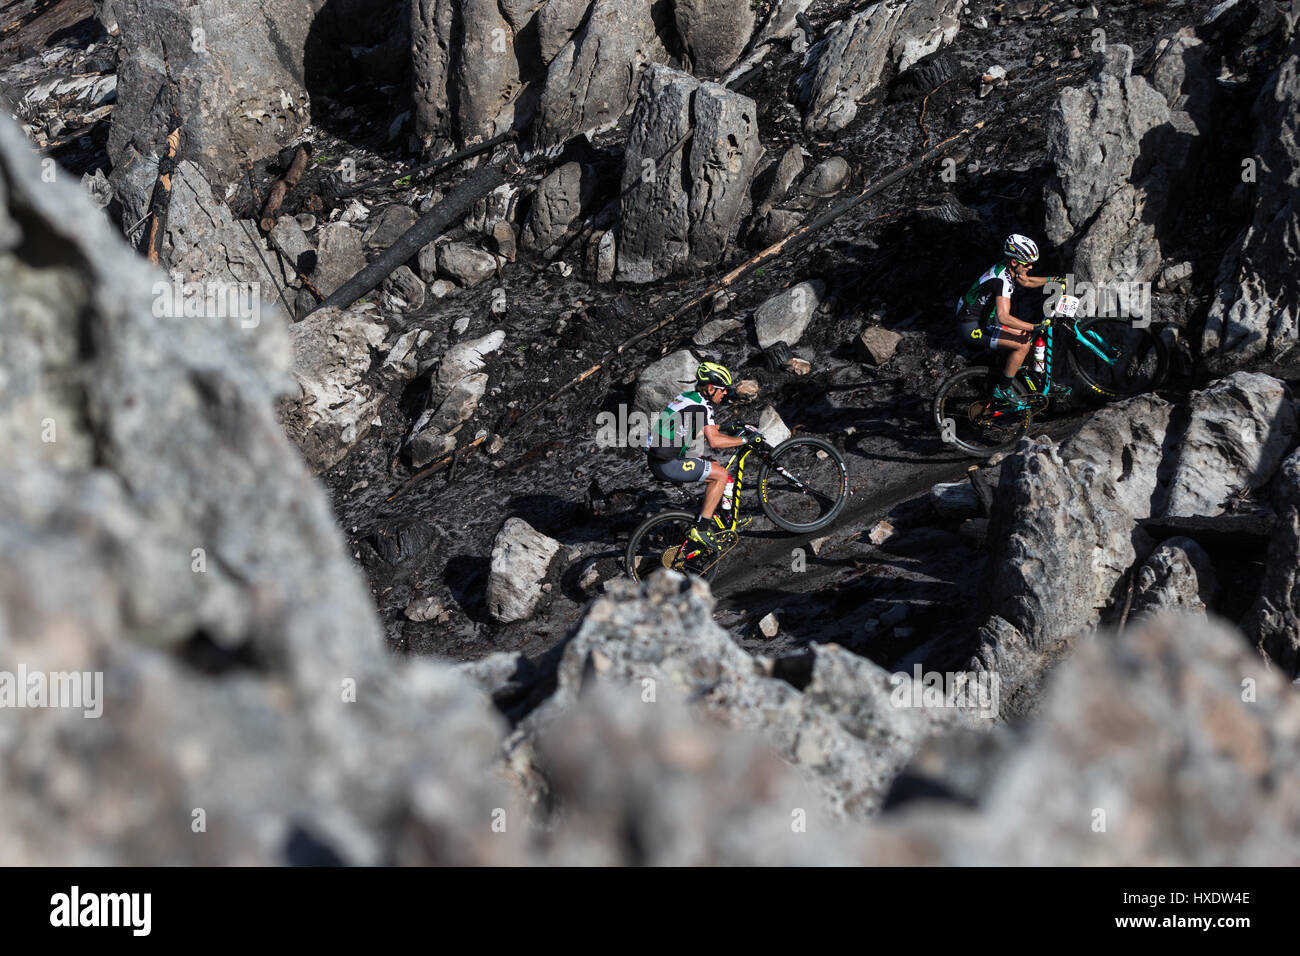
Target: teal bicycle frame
[1028,378]
[1091,339]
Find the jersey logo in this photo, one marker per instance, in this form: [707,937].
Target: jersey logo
[977,334]
[688,465]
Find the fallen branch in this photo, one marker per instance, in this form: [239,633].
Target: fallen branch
[1128,602]
[451,210]
[436,466]
[789,243]
[281,187]
[334,193]
[925,134]
[161,198]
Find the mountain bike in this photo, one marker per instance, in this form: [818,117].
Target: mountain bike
[1112,357]
[803,486]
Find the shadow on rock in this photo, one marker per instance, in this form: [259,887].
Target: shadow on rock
[356,66]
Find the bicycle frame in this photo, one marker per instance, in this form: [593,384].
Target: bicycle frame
[1091,339]
[738,458]
[1047,370]
[1087,339]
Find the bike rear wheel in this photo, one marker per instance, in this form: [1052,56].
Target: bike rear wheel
[1137,357]
[804,484]
[660,542]
[969,420]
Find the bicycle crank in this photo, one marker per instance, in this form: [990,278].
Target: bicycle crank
[696,559]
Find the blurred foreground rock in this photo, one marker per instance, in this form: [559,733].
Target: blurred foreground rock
[159,530]
[1172,745]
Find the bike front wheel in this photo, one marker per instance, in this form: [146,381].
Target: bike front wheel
[661,542]
[804,484]
[1132,360]
[968,419]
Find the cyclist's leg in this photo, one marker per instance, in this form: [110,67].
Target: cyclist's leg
[695,471]
[716,477]
[1015,343]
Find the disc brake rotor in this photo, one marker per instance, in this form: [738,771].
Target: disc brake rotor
[981,413]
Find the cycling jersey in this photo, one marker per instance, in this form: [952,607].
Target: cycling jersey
[978,304]
[680,428]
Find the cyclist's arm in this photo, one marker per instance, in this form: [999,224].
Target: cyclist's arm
[1033,282]
[716,439]
[1004,316]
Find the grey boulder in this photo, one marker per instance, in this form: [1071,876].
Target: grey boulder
[560,199]
[339,256]
[1063,530]
[333,407]
[171,539]
[785,316]
[714,32]
[1256,310]
[662,380]
[677,207]
[592,79]
[851,62]
[1178,576]
[1273,621]
[407,286]
[521,560]
[826,177]
[464,264]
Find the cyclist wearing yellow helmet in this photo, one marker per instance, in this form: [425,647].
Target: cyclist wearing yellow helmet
[675,446]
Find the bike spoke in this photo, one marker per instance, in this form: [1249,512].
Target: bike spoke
[970,419]
[1132,364]
[664,544]
[801,487]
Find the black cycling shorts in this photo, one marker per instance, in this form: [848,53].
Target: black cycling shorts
[681,470]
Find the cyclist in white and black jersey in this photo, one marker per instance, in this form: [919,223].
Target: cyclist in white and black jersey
[677,442]
[984,312]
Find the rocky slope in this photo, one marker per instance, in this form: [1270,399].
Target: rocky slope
[211,468]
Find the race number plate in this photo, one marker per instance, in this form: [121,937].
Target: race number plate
[1067,305]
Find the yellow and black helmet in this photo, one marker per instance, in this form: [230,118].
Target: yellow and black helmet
[711,373]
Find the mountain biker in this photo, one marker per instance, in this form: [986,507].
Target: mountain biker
[683,427]
[984,312]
